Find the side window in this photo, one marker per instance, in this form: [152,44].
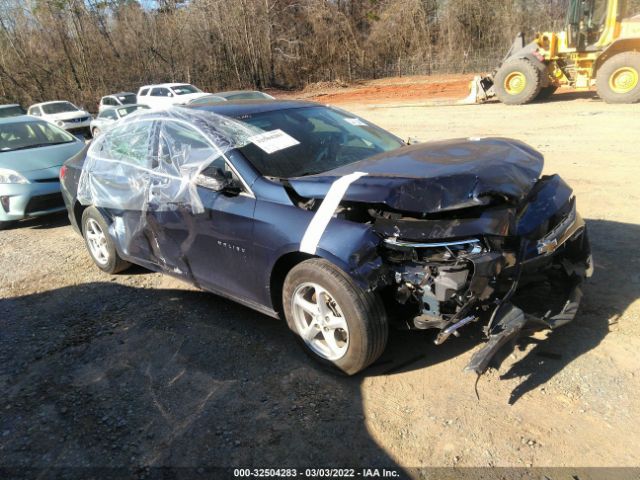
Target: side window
[111,115]
[131,143]
[183,148]
[143,92]
[159,92]
[35,111]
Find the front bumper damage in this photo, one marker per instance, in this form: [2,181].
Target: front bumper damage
[512,284]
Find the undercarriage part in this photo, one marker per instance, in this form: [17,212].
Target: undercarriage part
[510,320]
[453,329]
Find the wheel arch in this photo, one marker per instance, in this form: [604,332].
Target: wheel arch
[78,210]
[619,46]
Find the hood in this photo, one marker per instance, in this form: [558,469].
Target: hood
[435,177]
[40,158]
[67,115]
[183,99]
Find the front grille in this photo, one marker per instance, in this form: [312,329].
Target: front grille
[44,202]
[78,120]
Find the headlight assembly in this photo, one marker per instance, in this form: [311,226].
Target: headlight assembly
[10,176]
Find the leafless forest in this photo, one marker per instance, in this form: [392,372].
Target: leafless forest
[82,49]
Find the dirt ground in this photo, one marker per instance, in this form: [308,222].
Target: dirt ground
[137,369]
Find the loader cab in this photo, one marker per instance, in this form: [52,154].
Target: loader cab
[591,24]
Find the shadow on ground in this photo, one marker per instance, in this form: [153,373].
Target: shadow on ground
[53,220]
[103,374]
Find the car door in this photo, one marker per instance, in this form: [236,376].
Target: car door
[208,233]
[159,97]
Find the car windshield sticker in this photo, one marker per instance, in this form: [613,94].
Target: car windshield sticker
[273,141]
[327,209]
[356,122]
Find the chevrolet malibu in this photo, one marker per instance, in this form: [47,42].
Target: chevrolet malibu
[317,215]
[31,154]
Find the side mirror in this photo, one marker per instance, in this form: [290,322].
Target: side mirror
[218,180]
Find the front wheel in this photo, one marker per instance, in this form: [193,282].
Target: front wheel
[99,243]
[618,79]
[517,82]
[337,322]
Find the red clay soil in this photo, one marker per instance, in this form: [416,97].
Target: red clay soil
[412,89]
[388,90]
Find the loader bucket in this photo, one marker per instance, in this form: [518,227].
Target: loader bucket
[480,90]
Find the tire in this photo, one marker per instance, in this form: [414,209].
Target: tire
[618,79]
[546,92]
[362,312]
[106,256]
[517,73]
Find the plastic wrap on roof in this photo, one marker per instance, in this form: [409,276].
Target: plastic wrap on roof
[152,160]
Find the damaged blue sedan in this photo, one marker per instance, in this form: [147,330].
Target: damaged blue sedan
[313,214]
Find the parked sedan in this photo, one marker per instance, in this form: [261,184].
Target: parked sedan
[108,116]
[31,154]
[244,95]
[312,213]
[65,115]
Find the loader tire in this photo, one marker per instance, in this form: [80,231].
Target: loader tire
[517,82]
[618,79]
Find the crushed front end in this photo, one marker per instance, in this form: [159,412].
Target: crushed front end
[511,267]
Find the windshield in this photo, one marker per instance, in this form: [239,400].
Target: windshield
[22,135]
[59,107]
[184,89]
[312,140]
[126,99]
[11,111]
[124,111]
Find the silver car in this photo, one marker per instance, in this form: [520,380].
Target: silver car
[31,154]
[109,116]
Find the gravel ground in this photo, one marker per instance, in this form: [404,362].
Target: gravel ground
[138,369]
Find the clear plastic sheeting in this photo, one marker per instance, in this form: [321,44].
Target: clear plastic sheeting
[145,174]
[154,160]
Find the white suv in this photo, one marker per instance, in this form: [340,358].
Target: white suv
[64,114]
[166,94]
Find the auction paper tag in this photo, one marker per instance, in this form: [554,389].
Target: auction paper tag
[273,141]
[356,122]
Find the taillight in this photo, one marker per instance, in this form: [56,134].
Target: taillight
[63,171]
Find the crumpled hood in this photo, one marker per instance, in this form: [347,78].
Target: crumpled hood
[435,177]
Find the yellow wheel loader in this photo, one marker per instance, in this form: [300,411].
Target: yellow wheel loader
[600,44]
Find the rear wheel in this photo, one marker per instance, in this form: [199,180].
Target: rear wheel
[338,323]
[618,79]
[517,82]
[99,243]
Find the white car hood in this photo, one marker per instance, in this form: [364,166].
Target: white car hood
[67,115]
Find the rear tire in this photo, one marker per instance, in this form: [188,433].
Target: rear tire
[618,79]
[317,285]
[100,245]
[517,82]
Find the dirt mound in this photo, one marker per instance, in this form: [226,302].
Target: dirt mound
[319,87]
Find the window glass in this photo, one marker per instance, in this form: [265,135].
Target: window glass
[144,91]
[130,143]
[127,99]
[111,115]
[35,111]
[184,89]
[23,135]
[11,111]
[124,111]
[160,92]
[59,107]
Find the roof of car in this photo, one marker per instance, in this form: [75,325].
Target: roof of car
[119,94]
[8,105]
[237,108]
[235,92]
[19,119]
[47,103]
[126,105]
[165,85]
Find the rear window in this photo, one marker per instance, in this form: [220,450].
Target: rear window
[127,99]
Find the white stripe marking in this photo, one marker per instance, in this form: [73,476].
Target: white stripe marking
[327,209]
